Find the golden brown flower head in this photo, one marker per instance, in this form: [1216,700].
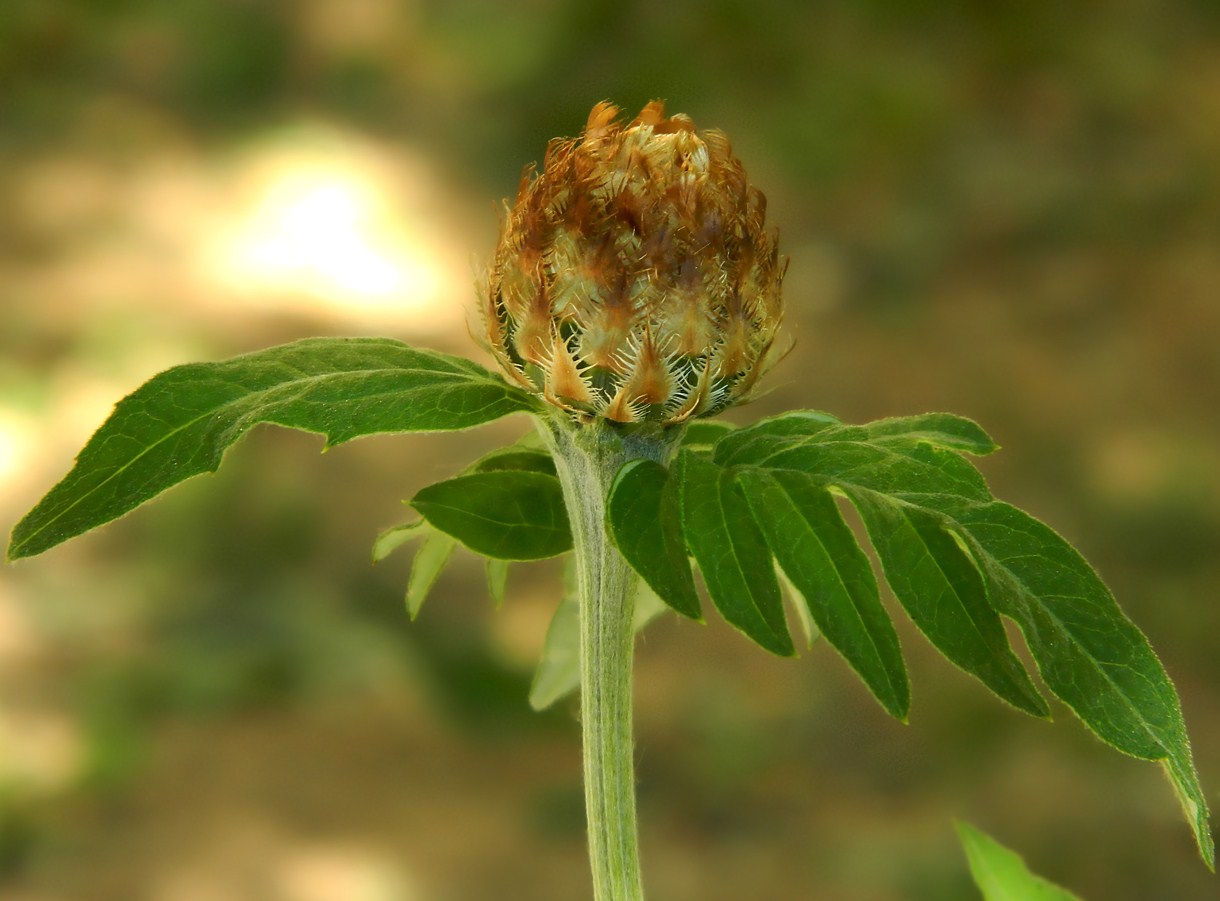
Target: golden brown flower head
[635,278]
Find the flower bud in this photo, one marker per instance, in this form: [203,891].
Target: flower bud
[635,278]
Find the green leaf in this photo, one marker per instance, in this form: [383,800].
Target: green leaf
[884,469]
[741,444]
[945,430]
[847,456]
[956,433]
[506,514]
[497,580]
[645,521]
[515,457]
[944,595]
[820,556]
[958,560]
[705,432]
[430,561]
[395,537]
[731,552]
[1087,651]
[180,423]
[1001,874]
[558,672]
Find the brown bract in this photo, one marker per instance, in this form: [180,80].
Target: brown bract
[635,278]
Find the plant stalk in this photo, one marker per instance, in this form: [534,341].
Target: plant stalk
[587,457]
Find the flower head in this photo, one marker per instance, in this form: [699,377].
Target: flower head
[634,278]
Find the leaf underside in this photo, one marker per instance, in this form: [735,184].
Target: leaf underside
[430,561]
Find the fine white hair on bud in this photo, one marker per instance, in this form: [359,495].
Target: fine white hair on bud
[635,278]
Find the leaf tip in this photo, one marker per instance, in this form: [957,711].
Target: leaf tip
[19,549]
[785,647]
[18,543]
[696,617]
[899,710]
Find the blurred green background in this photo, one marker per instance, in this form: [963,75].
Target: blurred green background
[1008,210]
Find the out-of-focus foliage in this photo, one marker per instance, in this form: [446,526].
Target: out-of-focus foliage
[1002,874]
[1012,205]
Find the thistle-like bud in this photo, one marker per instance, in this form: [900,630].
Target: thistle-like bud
[635,278]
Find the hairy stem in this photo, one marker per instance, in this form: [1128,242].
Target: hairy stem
[586,459]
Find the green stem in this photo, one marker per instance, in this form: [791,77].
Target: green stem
[586,459]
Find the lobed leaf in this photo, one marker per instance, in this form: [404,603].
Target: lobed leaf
[644,519]
[958,560]
[884,468]
[180,423]
[506,514]
[944,595]
[731,552]
[820,556]
[1088,653]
